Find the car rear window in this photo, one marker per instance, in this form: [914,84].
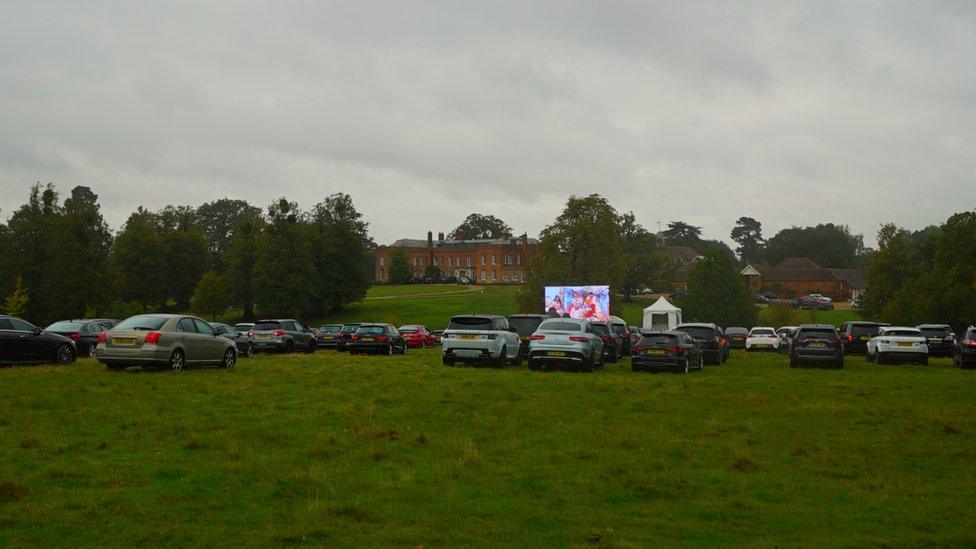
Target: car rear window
[762,332]
[526,325]
[601,329]
[658,339]
[370,330]
[819,333]
[330,329]
[560,326]
[141,322]
[409,329]
[470,323]
[349,328]
[927,332]
[620,329]
[66,326]
[864,329]
[903,333]
[698,332]
[243,327]
[265,326]
[736,331]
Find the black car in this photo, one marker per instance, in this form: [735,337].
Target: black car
[611,341]
[856,335]
[329,336]
[284,335]
[964,354]
[711,338]
[23,343]
[941,340]
[623,332]
[83,332]
[737,337]
[675,351]
[817,343]
[377,338]
[242,338]
[345,334]
[525,325]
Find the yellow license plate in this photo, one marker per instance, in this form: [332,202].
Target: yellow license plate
[556,353]
[654,352]
[525,339]
[328,337]
[366,339]
[865,338]
[819,345]
[123,341]
[763,346]
[468,336]
[936,340]
[904,344]
[262,336]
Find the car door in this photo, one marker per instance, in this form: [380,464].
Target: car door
[9,342]
[512,340]
[302,335]
[187,335]
[596,342]
[397,337]
[30,344]
[212,343]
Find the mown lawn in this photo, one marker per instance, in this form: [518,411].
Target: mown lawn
[374,450]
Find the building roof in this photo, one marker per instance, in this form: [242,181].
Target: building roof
[797,263]
[418,243]
[853,277]
[684,254]
[799,275]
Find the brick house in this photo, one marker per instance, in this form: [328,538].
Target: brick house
[801,275]
[498,261]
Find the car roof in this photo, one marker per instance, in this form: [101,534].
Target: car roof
[900,328]
[817,326]
[478,315]
[662,332]
[920,326]
[277,320]
[369,324]
[528,315]
[698,324]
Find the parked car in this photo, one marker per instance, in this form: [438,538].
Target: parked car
[283,335]
[83,332]
[244,327]
[635,335]
[898,343]
[816,343]
[941,340]
[243,340]
[737,336]
[762,338]
[481,338]
[438,335]
[328,336]
[417,335]
[811,302]
[856,335]
[565,341]
[23,343]
[525,325]
[164,341]
[675,351]
[711,338]
[785,334]
[345,334]
[772,296]
[620,328]
[762,300]
[964,355]
[377,338]
[612,347]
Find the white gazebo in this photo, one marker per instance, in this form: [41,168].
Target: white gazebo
[662,315]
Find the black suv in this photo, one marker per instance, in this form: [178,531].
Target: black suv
[737,336]
[711,338]
[525,325]
[964,355]
[941,340]
[675,351]
[283,335]
[856,335]
[817,343]
[377,338]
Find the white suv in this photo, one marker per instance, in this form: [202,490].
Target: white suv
[480,338]
[762,338]
[898,343]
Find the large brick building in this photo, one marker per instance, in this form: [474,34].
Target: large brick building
[801,275]
[498,261]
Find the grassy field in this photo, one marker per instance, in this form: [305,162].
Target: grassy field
[375,450]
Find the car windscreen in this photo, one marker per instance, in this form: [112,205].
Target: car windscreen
[601,329]
[526,325]
[469,323]
[902,333]
[141,323]
[657,340]
[266,326]
[736,331]
[560,326]
[66,326]
[864,329]
[762,332]
[817,333]
[927,332]
[370,330]
[698,332]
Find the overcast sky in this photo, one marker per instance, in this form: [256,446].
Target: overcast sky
[793,113]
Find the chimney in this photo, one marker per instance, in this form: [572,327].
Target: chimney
[440,237]
[430,239]
[525,240]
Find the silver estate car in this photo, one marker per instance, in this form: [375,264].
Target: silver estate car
[565,341]
[164,340]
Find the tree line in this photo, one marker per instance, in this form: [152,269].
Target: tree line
[59,259]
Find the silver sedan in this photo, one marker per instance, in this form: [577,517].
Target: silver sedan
[565,341]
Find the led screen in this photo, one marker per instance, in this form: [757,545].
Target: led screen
[583,302]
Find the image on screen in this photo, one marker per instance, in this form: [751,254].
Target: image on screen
[582,302]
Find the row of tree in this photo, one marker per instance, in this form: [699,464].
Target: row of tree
[60,259]
[924,276]
[827,244]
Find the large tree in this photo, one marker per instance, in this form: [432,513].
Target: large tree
[399,269]
[645,263]
[747,233]
[717,293]
[679,230]
[140,257]
[285,280]
[218,220]
[952,285]
[342,252]
[582,246]
[479,226]
[240,259]
[893,267]
[84,249]
[186,251]
[827,244]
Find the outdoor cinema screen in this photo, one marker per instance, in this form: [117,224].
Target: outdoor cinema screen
[583,302]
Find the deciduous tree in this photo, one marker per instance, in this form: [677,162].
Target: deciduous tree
[479,226]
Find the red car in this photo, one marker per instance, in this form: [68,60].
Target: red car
[417,335]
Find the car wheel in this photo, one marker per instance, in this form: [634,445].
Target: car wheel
[925,361]
[447,361]
[91,349]
[839,363]
[249,350]
[533,364]
[389,350]
[587,365]
[614,356]
[311,347]
[65,354]
[701,362]
[867,355]
[176,361]
[230,359]
[289,346]
[793,362]
[879,357]
[502,358]
[403,350]
[423,344]
[687,365]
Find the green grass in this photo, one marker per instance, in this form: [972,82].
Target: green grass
[332,449]
[835,317]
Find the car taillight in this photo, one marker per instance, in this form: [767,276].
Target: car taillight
[969,343]
[580,339]
[638,349]
[102,336]
[354,337]
[607,339]
[279,333]
[537,337]
[382,338]
[74,336]
[750,336]
[676,350]
[250,334]
[724,341]
[152,338]
[850,338]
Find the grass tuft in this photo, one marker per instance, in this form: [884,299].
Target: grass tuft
[10,492]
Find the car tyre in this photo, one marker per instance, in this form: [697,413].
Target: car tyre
[839,363]
[249,350]
[879,357]
[502,359]
[230,359]
[91,350]
[924,361]
[65,355]
[177,361]
[587,365]
[447,361]
[389,349]
[311,347]
[614,357]
[533,364]
[701,362]
[794,363]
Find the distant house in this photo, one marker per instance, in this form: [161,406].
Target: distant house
[801,275]
[679,260]
[498,261]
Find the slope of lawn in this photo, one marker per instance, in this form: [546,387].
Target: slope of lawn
[332,449]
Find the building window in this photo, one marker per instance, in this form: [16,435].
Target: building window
[484,276]
[457,261]
[494,276]
[494,259]
[484,260]
[414,261]
[468,261]
[505,277]
[382,261]
[518,259]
